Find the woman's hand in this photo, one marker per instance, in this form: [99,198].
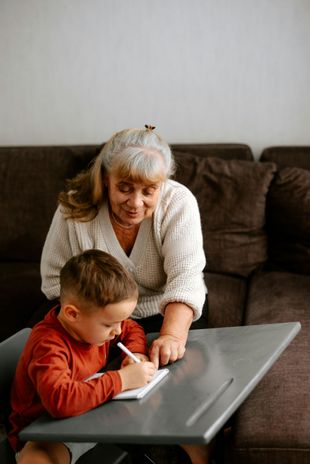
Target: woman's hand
[166,349]
[170,345]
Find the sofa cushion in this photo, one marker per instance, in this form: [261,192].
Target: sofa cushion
[232,197]
[226,299]
[276,296]
[273,424]
[288,220]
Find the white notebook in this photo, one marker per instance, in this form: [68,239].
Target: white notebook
[136,393]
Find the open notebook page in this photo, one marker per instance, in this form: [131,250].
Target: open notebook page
[137,393]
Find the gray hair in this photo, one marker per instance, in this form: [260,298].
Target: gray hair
[130,153]
[136,154]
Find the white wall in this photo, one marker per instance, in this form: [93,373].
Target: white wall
[75,71]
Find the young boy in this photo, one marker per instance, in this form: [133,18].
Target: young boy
[71,344]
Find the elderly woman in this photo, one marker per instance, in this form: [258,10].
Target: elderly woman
[127,205]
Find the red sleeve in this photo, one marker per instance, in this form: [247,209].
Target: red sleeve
[61,394]
[133,337]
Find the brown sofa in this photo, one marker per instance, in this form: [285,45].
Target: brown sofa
[256,226]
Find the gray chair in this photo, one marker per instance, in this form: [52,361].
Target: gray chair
[10,350]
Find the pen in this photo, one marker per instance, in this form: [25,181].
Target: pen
[129,353]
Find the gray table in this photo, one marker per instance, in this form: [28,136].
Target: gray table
[219,370]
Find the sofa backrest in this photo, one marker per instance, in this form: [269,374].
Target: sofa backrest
[229,185]
[287,156]
[231,189]
[32,177]
[227,151]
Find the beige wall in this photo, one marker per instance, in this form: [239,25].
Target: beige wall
[74,71]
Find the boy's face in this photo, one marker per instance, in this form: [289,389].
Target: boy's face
[99,326]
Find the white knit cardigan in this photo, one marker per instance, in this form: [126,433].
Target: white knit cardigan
[166,261]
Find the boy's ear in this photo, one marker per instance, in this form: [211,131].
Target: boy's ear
[71,312]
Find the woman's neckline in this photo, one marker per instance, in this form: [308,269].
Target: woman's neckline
[116,221]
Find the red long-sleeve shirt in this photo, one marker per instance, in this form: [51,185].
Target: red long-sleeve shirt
[50,375]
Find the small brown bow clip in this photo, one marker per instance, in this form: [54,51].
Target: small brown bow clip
[147,126]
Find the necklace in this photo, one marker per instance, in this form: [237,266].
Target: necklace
[119,224]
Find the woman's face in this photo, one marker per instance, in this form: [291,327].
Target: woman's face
[131,202]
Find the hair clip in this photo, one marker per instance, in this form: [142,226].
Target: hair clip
[147,126]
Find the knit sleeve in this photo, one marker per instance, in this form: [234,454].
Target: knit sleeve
[56,252]
[183,254]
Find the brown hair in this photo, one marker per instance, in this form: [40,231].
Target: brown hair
[138,154]
[97,279]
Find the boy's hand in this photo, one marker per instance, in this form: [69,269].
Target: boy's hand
[140,356]
[136,375]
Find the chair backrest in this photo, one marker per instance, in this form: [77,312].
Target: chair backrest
[10,351]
